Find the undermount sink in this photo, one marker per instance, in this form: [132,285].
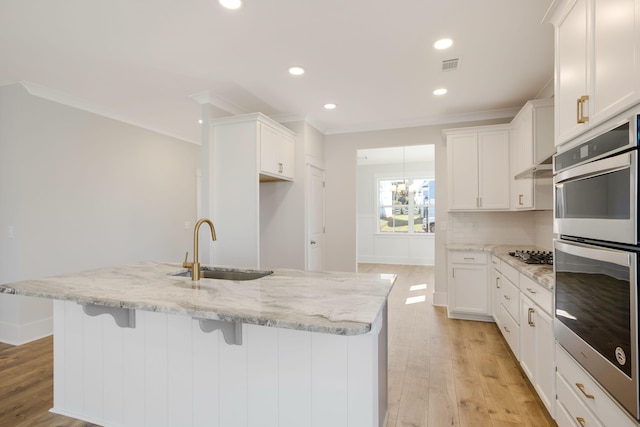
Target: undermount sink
[226,273]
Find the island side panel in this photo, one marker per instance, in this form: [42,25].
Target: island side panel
[294,406]
[166,371]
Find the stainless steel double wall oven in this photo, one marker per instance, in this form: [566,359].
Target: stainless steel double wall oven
[596,256]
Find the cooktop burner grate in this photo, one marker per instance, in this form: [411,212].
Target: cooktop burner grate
[533,257]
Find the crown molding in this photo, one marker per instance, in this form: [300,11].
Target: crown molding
[505,113]
[208,97]
[71,101]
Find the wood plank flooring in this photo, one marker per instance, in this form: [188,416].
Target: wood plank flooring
[446,372]
[442,372]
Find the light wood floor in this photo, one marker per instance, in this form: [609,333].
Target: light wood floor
[442,372]
[446,372]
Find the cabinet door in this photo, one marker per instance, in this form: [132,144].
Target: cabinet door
[614,69]
[462,160]
[270,150]
[571,71]
[493,170]
[528,338]
[545,359]
[288,157]
[469,289]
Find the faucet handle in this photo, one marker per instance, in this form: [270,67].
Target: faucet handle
[186,263]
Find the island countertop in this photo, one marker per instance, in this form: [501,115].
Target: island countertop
[327,302]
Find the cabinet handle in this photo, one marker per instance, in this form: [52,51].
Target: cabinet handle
[507,297]
[498,282]
[507,329]
[531,290]
[313,242]
[529,313]
[587,395]
[581,117]
[581,421]
[469,258]
[520,196]
[280,167]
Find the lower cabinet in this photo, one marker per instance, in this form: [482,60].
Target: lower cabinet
[536,350]
[581,401]
[468,285]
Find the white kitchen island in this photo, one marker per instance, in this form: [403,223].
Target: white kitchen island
[135,345]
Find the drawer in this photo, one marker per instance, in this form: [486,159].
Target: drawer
[539,294]
[563,418]
[577,411]
[602,405]
[511,299]
[510,273]
[510,330]
[460,257]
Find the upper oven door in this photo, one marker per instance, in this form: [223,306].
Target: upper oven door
[598,200]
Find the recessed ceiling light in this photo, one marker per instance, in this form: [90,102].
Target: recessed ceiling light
[200,121]
[296,71]
[440,91]
[330,106]
[443,44]
[231,4]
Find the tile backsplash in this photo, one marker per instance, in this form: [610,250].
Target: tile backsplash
[526,228]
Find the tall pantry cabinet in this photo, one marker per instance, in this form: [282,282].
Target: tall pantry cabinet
[247,150]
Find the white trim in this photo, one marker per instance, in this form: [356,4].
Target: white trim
[505,113]
[71,101]
[440,299]
[18,334]
[208,97]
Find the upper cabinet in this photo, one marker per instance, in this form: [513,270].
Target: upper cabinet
[532,148]
[478,168]
[277,153]
[596,67]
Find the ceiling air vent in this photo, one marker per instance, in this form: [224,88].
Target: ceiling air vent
[450,64]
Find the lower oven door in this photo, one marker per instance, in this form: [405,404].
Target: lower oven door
[595,317]
[597,200]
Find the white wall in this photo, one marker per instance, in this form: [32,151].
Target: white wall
[389,248]
[81,191]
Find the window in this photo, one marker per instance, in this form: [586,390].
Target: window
[406,205]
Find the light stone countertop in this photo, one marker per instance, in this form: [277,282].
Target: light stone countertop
[334,303]
[543,274]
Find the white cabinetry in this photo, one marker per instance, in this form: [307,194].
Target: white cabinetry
[581,401]
[237,168]
[531,146]
[536,345]
[468,285]
[478,168]
[277,153]
[596,67]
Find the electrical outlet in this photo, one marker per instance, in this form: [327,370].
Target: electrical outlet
[187,225]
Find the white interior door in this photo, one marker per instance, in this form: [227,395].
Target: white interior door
[315,220]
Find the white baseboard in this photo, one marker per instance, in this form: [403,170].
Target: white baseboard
[395,260]
[440,299]
[18,334]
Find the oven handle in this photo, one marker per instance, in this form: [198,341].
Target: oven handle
[596,168]
[588,251]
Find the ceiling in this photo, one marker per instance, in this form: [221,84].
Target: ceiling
[141,61]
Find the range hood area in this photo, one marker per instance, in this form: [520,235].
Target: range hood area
[542,170]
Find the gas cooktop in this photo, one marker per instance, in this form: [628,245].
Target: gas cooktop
[533,257]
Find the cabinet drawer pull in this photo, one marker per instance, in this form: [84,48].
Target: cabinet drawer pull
[580,113]
[469,259]
[280,167]
[529,313]
[531,290]
[520,196]
[507,297]
[498,282]
[507,329]
[587,395]
[581,421]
